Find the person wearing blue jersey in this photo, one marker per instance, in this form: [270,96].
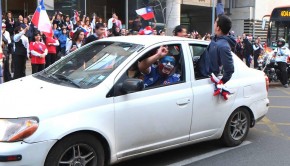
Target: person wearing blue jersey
[159,69]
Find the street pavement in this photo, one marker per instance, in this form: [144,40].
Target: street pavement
[267,144]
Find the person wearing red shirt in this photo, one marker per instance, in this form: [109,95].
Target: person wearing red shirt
[38,51]
[51,44]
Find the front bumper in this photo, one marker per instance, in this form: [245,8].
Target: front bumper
[32,154]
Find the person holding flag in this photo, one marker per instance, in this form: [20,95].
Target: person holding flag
[21,52]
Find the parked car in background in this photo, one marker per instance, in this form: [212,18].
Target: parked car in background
[91,108]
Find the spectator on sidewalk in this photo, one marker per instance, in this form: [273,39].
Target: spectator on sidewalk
[258,50]
[38,51]
[21,52]
[180,31]
[137,24]
[62,40]
[248,50]
[76,42]
[51,44]
[6,40]
[99,33]
[112,20]
[19,21]
[9,23]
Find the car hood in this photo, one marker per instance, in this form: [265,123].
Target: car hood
[30,96]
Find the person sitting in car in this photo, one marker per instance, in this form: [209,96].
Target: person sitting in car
[159,69]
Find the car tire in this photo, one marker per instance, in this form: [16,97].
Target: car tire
[76,149]
[237,128]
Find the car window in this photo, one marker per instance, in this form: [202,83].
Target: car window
[156,78]
[157,69]
[196,51]
[90,65]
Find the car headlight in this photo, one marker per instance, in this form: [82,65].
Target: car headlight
[12,130]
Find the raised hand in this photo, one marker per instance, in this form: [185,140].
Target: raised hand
[162,52]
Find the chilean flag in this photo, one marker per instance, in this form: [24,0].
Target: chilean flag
[146,31]
[146,13]
[40,19]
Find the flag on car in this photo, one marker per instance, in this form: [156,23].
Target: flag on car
[40,19]
[146,13]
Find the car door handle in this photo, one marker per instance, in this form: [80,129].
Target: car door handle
[183,101]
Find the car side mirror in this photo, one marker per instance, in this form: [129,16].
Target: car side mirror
[132,85]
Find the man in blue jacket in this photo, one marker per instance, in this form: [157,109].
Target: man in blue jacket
[218,54]
[217,59]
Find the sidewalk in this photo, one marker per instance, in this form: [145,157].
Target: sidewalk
[28,68]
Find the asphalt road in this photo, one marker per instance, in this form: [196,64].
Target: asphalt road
[267,144]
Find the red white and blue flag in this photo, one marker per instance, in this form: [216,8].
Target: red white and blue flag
[146,31]
[41,20]
[146,13]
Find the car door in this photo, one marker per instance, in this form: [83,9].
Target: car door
[155,117]
[210,112]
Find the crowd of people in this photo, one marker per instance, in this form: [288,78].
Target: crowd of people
[21,41]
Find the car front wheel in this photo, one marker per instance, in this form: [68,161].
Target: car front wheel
[237,128]
[76,150]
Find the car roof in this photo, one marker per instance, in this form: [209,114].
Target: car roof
[150,39]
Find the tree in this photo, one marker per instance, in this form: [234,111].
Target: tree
[170,11]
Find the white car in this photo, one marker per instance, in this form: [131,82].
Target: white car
[91,108]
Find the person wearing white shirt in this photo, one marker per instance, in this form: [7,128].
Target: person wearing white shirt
[21,52]
[282,53]
[6,69]
[112,20]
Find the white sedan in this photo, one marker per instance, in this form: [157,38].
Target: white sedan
[91,108]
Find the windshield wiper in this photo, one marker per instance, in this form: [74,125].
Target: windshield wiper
[65,78]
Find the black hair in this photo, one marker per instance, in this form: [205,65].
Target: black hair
[76,34]
[35,33]
[178,29]
[225,23]
[17,30]
[99,25]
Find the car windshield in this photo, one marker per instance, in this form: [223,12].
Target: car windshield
[90,65]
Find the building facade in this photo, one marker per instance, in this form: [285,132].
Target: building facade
[247,15]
